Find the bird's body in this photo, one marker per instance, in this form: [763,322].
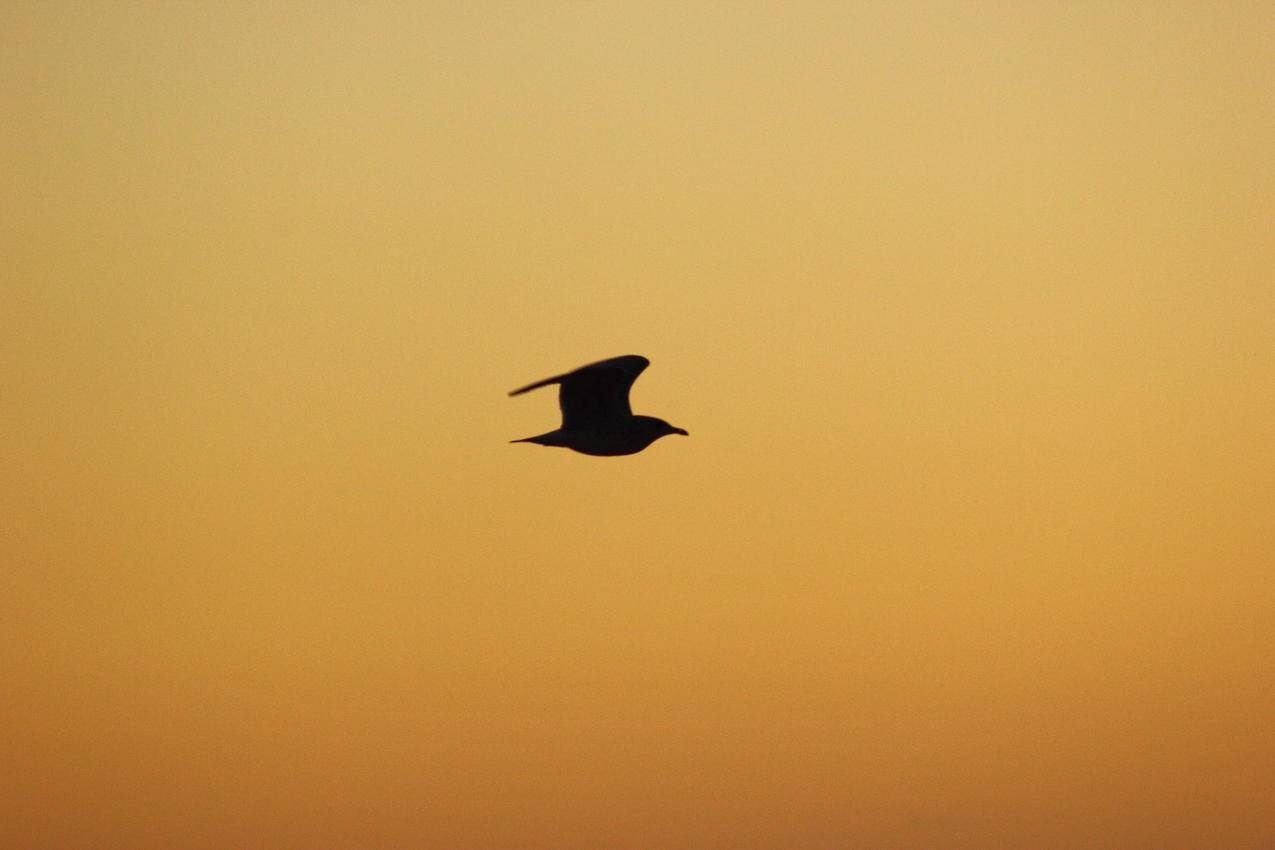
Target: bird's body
[596,417]
[643,431]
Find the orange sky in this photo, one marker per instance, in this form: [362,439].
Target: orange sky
[969,311]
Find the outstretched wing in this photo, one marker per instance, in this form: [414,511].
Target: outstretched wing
[595,396]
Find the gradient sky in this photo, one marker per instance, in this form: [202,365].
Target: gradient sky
[968,307]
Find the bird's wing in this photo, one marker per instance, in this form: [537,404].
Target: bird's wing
[597,395]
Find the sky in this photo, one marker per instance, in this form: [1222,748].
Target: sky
[967,308]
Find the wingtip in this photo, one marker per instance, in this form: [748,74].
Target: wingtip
[537,385]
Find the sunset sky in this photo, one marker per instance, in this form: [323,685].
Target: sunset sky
[969,309]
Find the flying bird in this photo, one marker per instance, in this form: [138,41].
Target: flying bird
[596,418]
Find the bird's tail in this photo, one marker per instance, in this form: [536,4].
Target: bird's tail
[551,438]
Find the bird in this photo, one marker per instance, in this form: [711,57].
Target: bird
[596,417]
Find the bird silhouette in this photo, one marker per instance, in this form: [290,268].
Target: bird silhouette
[596,417]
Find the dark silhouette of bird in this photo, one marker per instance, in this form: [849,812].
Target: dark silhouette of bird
[596,418]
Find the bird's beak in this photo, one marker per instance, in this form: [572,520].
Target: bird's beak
[680,431]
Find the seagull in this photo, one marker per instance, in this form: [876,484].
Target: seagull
[596,418]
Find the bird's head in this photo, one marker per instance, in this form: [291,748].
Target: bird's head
[657,428]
